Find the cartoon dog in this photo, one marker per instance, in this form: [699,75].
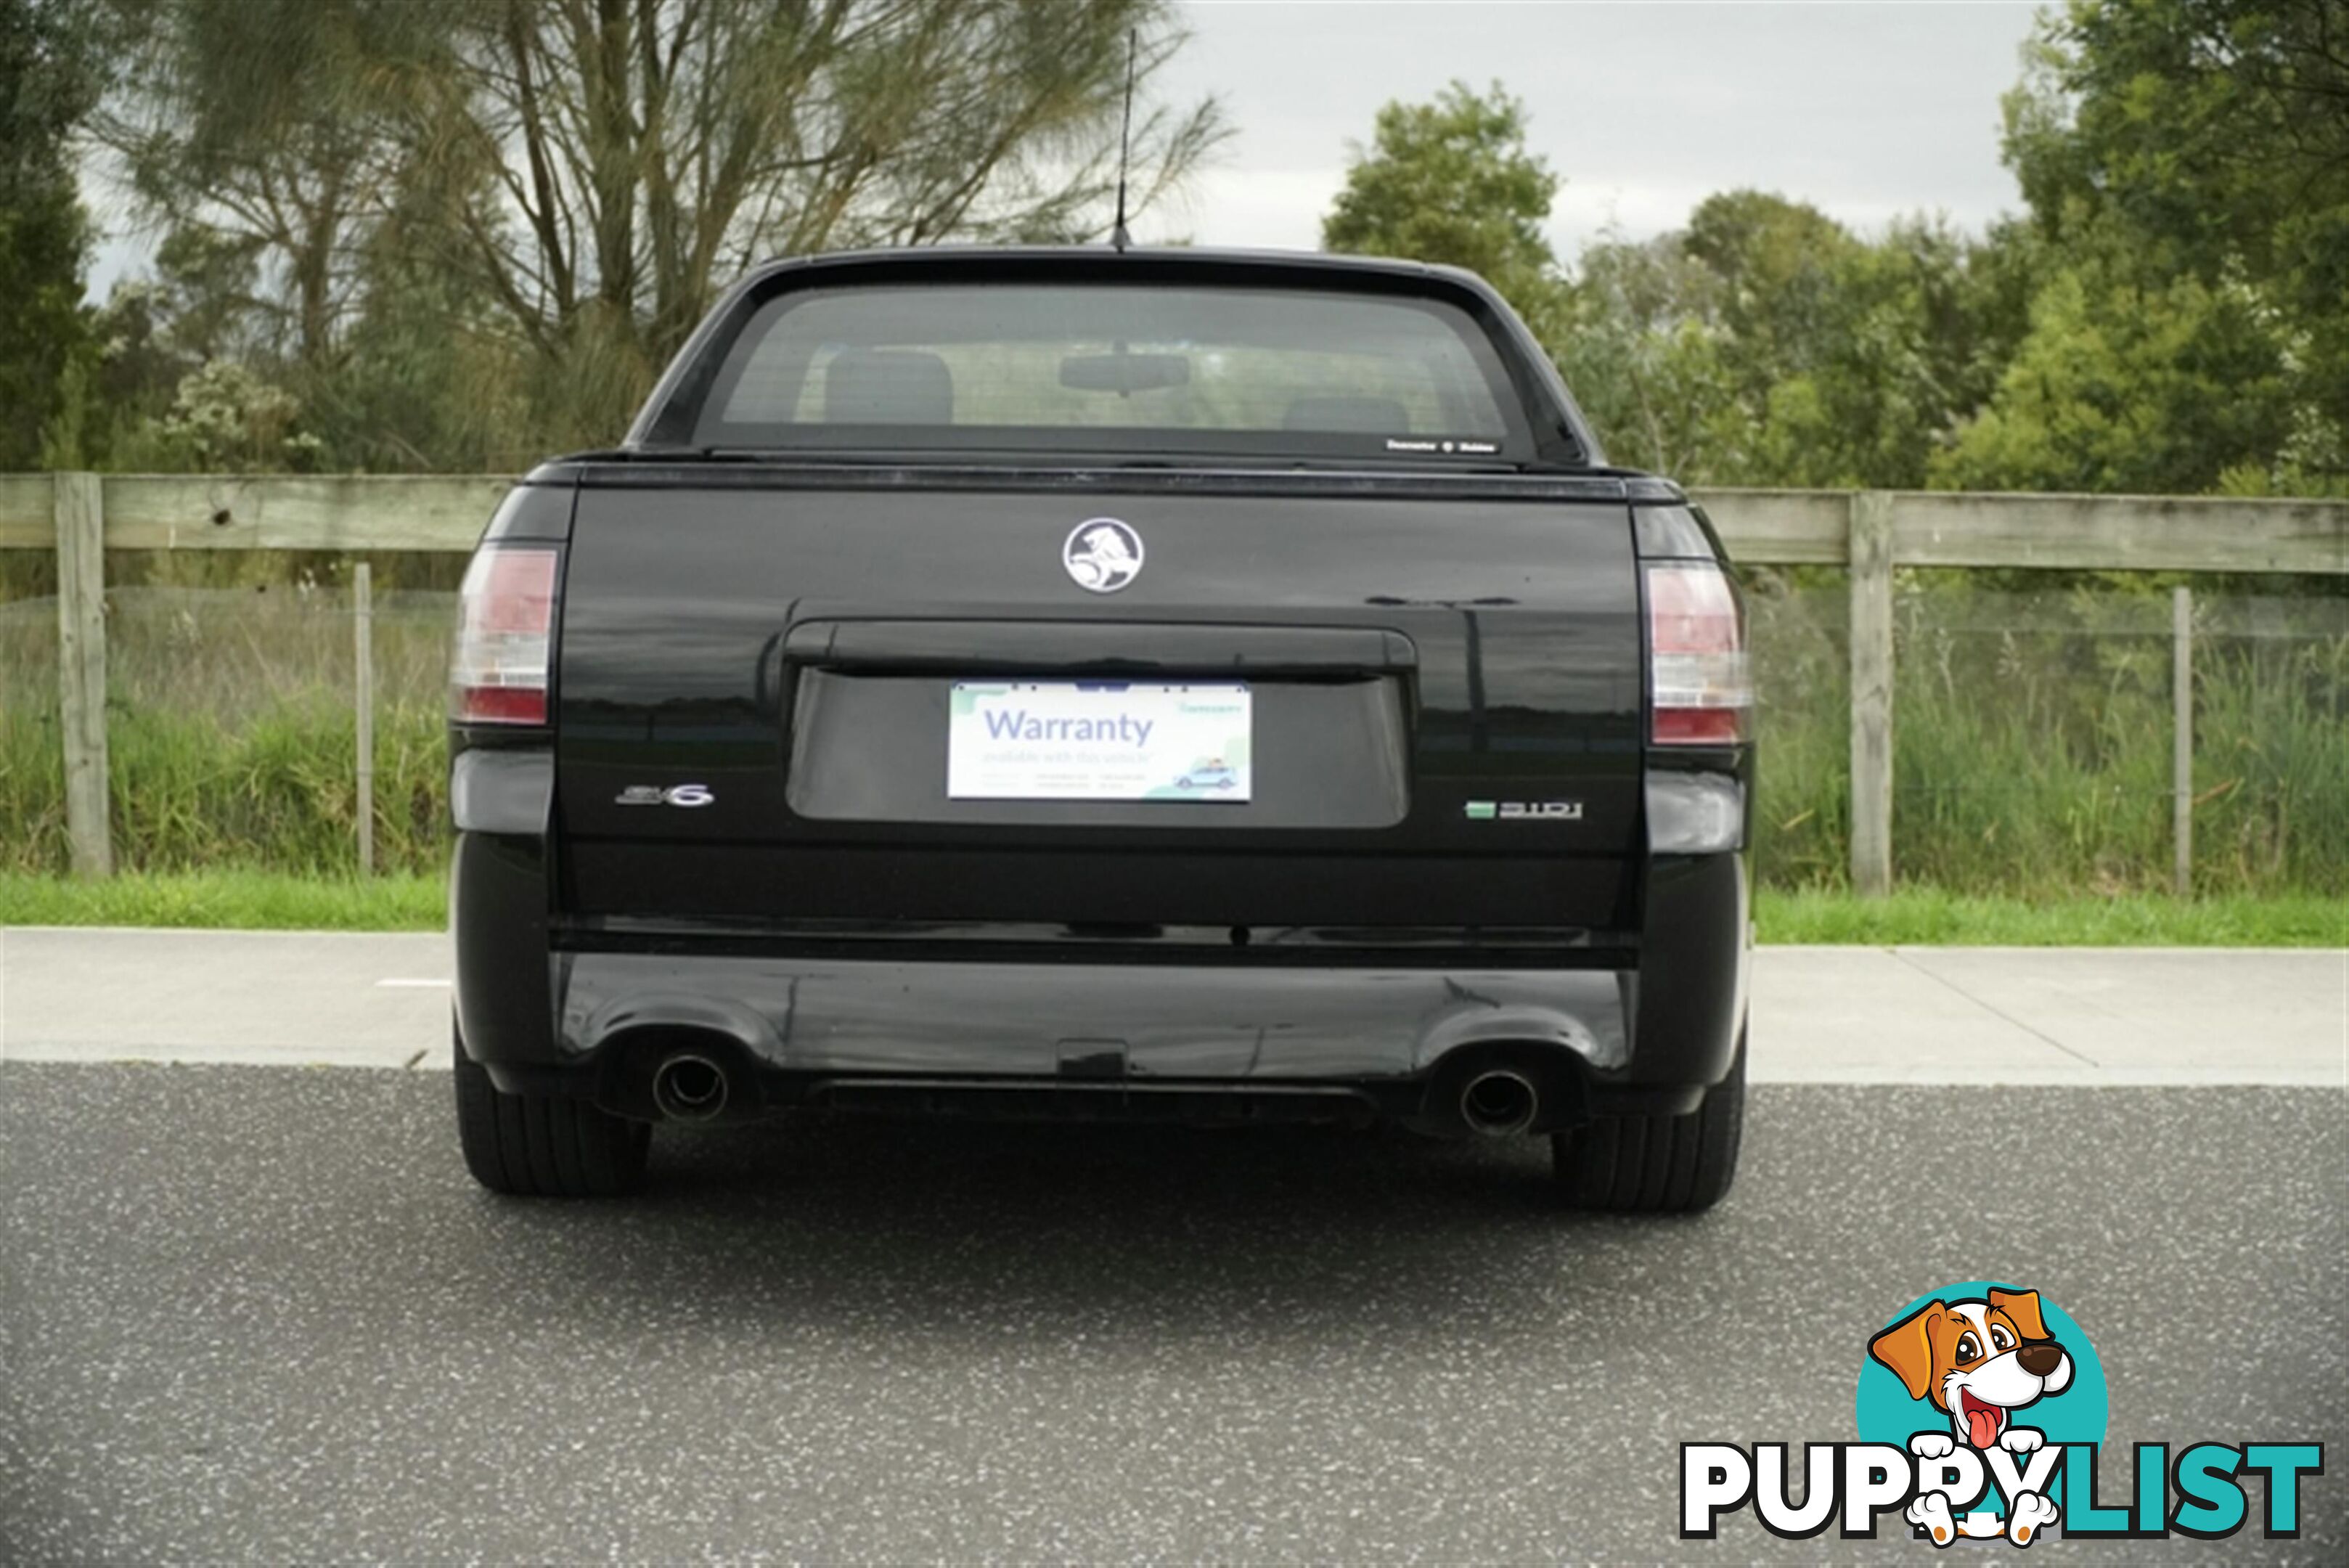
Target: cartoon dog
[1978,1362]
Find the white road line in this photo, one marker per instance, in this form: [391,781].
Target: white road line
[380,1056]
[1781,1067]
[415,984]
[1880,1076]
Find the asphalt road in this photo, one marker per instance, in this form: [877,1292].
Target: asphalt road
[259,1314]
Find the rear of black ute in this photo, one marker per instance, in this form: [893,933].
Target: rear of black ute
[658,913]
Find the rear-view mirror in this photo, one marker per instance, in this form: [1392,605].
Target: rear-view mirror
[1125,373]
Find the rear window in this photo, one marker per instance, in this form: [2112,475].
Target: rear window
[1106,368]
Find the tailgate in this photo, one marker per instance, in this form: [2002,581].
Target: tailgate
[780,705]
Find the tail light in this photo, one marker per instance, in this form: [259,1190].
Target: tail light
[505,623]
[1700,687]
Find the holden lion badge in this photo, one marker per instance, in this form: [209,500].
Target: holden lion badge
[1103,554]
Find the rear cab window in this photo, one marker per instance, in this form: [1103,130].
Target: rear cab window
[1150,368]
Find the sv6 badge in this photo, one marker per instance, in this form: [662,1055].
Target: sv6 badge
[687,795]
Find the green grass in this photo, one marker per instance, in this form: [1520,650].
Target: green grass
[233,900]
[2031,741]
[1929,916]
[257,900]
[276,792]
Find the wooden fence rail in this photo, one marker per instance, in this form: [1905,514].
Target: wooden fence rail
[1871,533]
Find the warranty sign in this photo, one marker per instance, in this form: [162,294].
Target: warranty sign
[1099,740]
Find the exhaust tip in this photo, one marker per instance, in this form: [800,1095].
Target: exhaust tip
[689,1088]
[1499,1103]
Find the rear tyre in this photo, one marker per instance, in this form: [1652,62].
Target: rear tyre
[1656,1165]
[545,1146]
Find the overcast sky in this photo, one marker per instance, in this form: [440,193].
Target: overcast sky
[1867,110]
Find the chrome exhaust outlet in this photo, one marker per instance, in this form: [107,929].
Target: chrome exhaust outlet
[1499,1103]
[689,1088]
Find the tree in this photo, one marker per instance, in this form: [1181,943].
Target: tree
[534,201]
[650,149]
[47,87]
[2158,140]
[1778,263]
[2131,385]
[1766,344]
[1639,340]
[266,139]
[1451,182]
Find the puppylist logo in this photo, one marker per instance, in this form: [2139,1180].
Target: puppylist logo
[1983,1388]
[1980,1413]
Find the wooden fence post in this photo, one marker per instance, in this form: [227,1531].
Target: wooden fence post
[363,621]
[81,516]
[1871,692]
[2181,738]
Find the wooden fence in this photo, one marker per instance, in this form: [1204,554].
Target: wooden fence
[1870,532]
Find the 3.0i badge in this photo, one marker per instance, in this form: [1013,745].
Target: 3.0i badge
[1523,810]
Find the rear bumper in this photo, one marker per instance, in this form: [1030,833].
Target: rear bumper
[1157,1020]
[1264,1039]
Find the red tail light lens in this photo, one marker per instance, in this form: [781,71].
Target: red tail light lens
[1700,686]
[505,622]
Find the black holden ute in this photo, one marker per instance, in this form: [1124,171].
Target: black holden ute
[1167,685]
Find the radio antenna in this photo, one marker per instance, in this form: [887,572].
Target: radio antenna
[1118,237]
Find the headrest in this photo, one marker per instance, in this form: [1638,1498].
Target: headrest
[888,386]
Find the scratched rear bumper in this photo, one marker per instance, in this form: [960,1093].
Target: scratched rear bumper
[1040,1020]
